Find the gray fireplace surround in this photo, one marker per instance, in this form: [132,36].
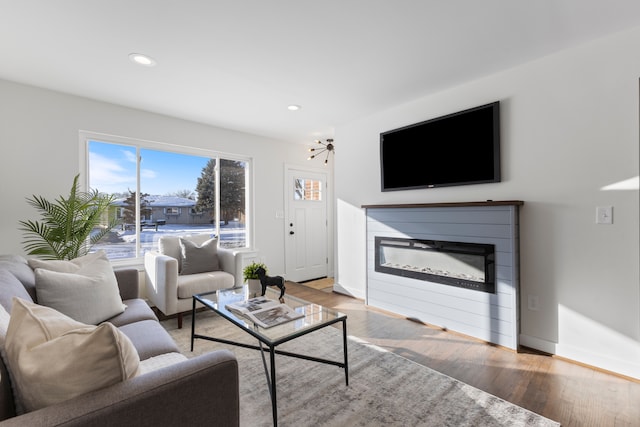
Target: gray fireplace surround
[451,265]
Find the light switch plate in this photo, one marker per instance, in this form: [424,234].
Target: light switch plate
[604,215]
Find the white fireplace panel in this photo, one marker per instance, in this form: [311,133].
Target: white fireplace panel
[490,317]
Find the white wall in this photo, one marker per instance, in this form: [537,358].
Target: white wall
[569,128]
[40,155]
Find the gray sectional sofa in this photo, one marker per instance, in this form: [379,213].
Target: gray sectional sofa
[197,391]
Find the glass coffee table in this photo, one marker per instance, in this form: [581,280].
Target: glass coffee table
[315,317]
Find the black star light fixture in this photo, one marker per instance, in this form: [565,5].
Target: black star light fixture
[325,147]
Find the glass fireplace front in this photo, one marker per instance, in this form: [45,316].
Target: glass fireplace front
[465,265]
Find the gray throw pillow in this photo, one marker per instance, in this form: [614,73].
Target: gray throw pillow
[199,259]
[84,289]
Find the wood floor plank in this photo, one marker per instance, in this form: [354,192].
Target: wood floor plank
[572,394]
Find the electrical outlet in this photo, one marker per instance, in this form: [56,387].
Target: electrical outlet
[604,215]
[533,303]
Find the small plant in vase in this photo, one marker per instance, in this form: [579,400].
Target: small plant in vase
[250,275]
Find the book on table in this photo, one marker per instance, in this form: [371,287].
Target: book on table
[264,312]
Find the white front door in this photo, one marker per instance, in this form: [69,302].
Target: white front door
[306,232]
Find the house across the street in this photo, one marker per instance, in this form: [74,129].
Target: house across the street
[161,210]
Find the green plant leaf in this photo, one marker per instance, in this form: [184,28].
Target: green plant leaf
[249,272]
[68,227]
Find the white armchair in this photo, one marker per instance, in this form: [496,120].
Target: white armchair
[181,269]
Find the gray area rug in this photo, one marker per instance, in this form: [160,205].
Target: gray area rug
[384,389]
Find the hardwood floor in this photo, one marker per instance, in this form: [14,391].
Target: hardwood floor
[574,395]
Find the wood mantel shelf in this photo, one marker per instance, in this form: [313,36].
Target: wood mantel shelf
[448,204]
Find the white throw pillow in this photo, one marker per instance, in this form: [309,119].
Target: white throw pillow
[54,358]
[199,259]
[85,289]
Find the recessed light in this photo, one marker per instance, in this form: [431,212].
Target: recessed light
[142,59]
[294,107]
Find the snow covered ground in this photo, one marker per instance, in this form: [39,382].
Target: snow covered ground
[122,243]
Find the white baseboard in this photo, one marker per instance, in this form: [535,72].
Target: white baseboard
[538,344]
[628,368]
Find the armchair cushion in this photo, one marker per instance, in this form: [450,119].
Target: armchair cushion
[54,358]
[198,258]
[84,289]
[190,285]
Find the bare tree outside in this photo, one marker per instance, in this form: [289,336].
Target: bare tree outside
[185,193]
[129,210]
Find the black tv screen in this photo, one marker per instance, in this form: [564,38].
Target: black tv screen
[457,149]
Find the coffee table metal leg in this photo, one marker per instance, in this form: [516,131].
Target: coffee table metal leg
[344,350]
[193,322]
[271,379]
[274,401]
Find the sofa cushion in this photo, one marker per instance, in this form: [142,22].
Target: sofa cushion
[11,287]
[84,289]
[128,282]
[198,258]
[54,358]
[149,338]
[137,310]
[18,266]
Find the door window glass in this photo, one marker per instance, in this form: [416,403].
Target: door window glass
[307,189]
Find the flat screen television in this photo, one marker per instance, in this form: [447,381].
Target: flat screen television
[457,149]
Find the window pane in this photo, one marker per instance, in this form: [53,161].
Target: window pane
[177,196]
[233,178]
[307,189]
[169,193]
[112,170]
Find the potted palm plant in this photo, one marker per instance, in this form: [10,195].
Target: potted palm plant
[250,276]
[69,226]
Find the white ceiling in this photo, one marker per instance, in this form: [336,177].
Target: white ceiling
[238,64]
